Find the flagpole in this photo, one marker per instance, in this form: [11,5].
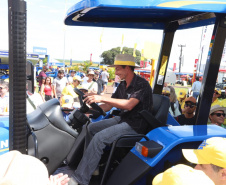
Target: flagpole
[101,45]
[122,44]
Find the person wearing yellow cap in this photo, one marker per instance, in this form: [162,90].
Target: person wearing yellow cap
[181,98]
[132,95]
[188,117]
[216,95]
[182,175]
[217,115]
[210,157]
[69,89]
[67,103]
[166,91]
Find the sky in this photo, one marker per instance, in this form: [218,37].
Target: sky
[45,28]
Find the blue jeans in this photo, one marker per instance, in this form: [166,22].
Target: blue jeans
[195,95]
[99,134]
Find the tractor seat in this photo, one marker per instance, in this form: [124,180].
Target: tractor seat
[157,118]
[49,113]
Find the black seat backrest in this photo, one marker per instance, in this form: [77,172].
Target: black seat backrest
[160,107]
[159,114]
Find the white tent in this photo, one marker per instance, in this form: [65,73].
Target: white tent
[170,77]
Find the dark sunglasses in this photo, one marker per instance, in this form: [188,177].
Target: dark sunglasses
[189,105]
[166,95]
[219,114]
[216,92]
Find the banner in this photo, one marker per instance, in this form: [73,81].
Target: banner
[134,50]
[151,50]
[141,63]
[174,66]
[195,68]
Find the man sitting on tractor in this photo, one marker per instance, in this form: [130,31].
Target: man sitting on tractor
[133,95]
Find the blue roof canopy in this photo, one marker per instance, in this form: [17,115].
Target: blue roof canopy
[146,14]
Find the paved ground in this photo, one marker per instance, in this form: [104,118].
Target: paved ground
[109,91]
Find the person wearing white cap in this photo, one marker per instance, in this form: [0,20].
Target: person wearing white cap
[90,84]
[217,115]
[210,157]
[133,95]
[182,175]
[70,78]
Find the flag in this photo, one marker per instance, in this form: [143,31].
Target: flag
[122,42]
[101,35]
[134,49]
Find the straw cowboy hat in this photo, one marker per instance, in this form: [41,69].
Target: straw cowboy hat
[124,60]
[216,108]
[19,169]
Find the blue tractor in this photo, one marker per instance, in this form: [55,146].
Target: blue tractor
[161,147]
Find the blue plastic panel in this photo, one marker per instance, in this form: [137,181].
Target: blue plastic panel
[170,137]
[4,133]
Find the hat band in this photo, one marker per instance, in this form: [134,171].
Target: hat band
[124,63]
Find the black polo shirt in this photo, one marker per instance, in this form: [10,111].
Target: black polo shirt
[185,121]
[141,90]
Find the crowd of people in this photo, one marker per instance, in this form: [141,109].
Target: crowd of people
[183,106]
[133,95]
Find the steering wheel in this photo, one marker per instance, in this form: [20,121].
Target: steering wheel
[93,105]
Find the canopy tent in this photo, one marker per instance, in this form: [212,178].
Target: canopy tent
[144,70]
[54,62]
[188,73]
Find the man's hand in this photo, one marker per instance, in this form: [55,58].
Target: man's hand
[93,99]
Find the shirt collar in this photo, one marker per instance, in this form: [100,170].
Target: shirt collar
[132,84]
